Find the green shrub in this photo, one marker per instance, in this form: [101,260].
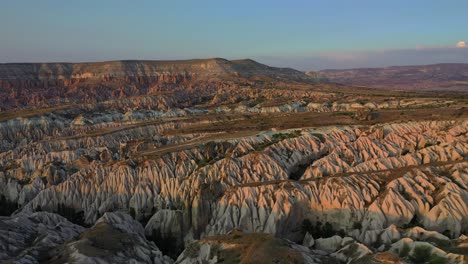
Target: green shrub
[357,225]
[132,212]
[72,215]
[404,250]
[277,138]
[436,259]
[413,223]
[320,230]
[283,136]
[203,162]
[428,144]
[319,136]
[421,254]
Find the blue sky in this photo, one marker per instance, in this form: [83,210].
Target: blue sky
[307,35]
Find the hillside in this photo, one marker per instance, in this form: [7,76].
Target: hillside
[216,161]
[447,77]
[50,84]
[200,68]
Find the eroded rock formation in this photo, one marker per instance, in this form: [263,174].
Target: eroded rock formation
[197,175]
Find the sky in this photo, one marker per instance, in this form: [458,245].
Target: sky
[306,35]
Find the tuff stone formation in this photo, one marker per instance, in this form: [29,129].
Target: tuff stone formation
[46,84]
[293,174]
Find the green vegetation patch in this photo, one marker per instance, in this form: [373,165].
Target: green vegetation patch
[277,138]
[423,254]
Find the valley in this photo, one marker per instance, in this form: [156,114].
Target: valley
[218,161]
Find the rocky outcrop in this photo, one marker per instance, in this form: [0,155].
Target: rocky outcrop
[174,168]
[27,238]
[40,84]
[115,238]
[418,252]
[379,178]
[48,237]
[352,252]
[237,247]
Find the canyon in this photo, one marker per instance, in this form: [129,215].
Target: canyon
[218,161]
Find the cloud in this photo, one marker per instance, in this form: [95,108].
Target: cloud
[462,44]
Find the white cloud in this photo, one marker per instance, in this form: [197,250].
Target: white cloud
[462,44]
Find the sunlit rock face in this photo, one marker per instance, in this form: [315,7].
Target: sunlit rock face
[50,84]
[369,183]
[207,159]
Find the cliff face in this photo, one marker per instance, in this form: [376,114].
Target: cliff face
[211,160]
[111,69]
[202,68]
[48,84]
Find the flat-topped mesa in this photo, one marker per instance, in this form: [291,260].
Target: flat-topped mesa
[202,68]
[116,69]
[49,84]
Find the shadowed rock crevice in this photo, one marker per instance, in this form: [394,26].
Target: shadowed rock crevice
[7,207]
[298,171]
[211,146]
[169,245]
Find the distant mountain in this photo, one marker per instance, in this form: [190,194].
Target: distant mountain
[27,84]
[183,69]
[217,161]
[447,77]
